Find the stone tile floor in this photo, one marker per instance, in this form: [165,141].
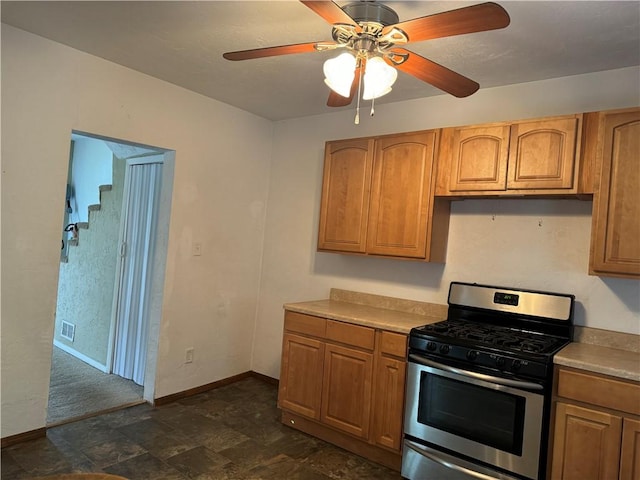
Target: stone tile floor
[232,432]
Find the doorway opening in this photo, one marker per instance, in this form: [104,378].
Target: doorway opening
[113,256]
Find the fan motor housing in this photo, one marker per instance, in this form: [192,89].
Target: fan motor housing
[375,12]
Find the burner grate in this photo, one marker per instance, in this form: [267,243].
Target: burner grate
[495,336]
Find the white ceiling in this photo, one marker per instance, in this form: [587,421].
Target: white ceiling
[182,42]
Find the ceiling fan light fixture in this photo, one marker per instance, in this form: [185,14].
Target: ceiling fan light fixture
[339,73]
[369,30]
[378,78]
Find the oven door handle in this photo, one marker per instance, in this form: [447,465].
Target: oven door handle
[450,465]
[480,376]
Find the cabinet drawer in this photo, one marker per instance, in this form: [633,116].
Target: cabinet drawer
[307,324]
[349,334]
[393,344]
[601,391]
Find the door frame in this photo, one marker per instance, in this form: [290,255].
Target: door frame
[158,264]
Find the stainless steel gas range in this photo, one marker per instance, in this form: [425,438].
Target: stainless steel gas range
[479,385]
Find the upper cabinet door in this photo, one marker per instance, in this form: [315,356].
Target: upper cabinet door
[479,158]
[615,232]
[345,195]
[533,157]
[543,153]
[400,209]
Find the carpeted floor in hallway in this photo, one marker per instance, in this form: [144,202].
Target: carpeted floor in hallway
[77,389]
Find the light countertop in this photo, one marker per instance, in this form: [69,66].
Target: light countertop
[599,359]
[593,351]
[368,316]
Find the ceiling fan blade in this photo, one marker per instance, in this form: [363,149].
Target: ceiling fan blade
[477,18]
[272,51]
[435,74]
[331,12]
[337,100]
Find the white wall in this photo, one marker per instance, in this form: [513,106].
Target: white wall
[91,167]
[222,166]
[512,249]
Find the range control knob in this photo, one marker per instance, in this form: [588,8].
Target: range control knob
[472,355]
[500,361]
[431,346]
[516,365]
[444,349]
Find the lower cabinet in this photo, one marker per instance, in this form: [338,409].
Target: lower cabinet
[630,450]
[596,431]
[344,383]
[301,377]
[388,404]
[346,389]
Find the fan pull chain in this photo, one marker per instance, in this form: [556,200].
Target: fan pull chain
[373,106]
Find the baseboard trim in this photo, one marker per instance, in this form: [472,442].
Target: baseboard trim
[80,356]
[213,385]
[23,437]
[265,378]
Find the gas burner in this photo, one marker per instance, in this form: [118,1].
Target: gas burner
[495,336]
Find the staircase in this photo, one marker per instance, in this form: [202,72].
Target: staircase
[87,277]
[74,242]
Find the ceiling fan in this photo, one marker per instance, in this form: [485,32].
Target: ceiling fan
[371,34]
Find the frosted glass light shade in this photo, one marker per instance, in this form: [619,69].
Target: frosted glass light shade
[378,78]
[339,73]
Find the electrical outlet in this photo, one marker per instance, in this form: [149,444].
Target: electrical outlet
[188,355]
[196,249]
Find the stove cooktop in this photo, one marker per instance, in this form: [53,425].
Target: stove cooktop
[513,332]
[459,331]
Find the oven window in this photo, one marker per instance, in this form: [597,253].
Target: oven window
[486,416]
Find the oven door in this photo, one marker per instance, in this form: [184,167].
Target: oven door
[491,419]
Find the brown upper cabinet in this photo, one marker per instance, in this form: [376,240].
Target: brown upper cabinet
[529,157]
[377,198]
[345,195]
[384,195]
[614,139]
